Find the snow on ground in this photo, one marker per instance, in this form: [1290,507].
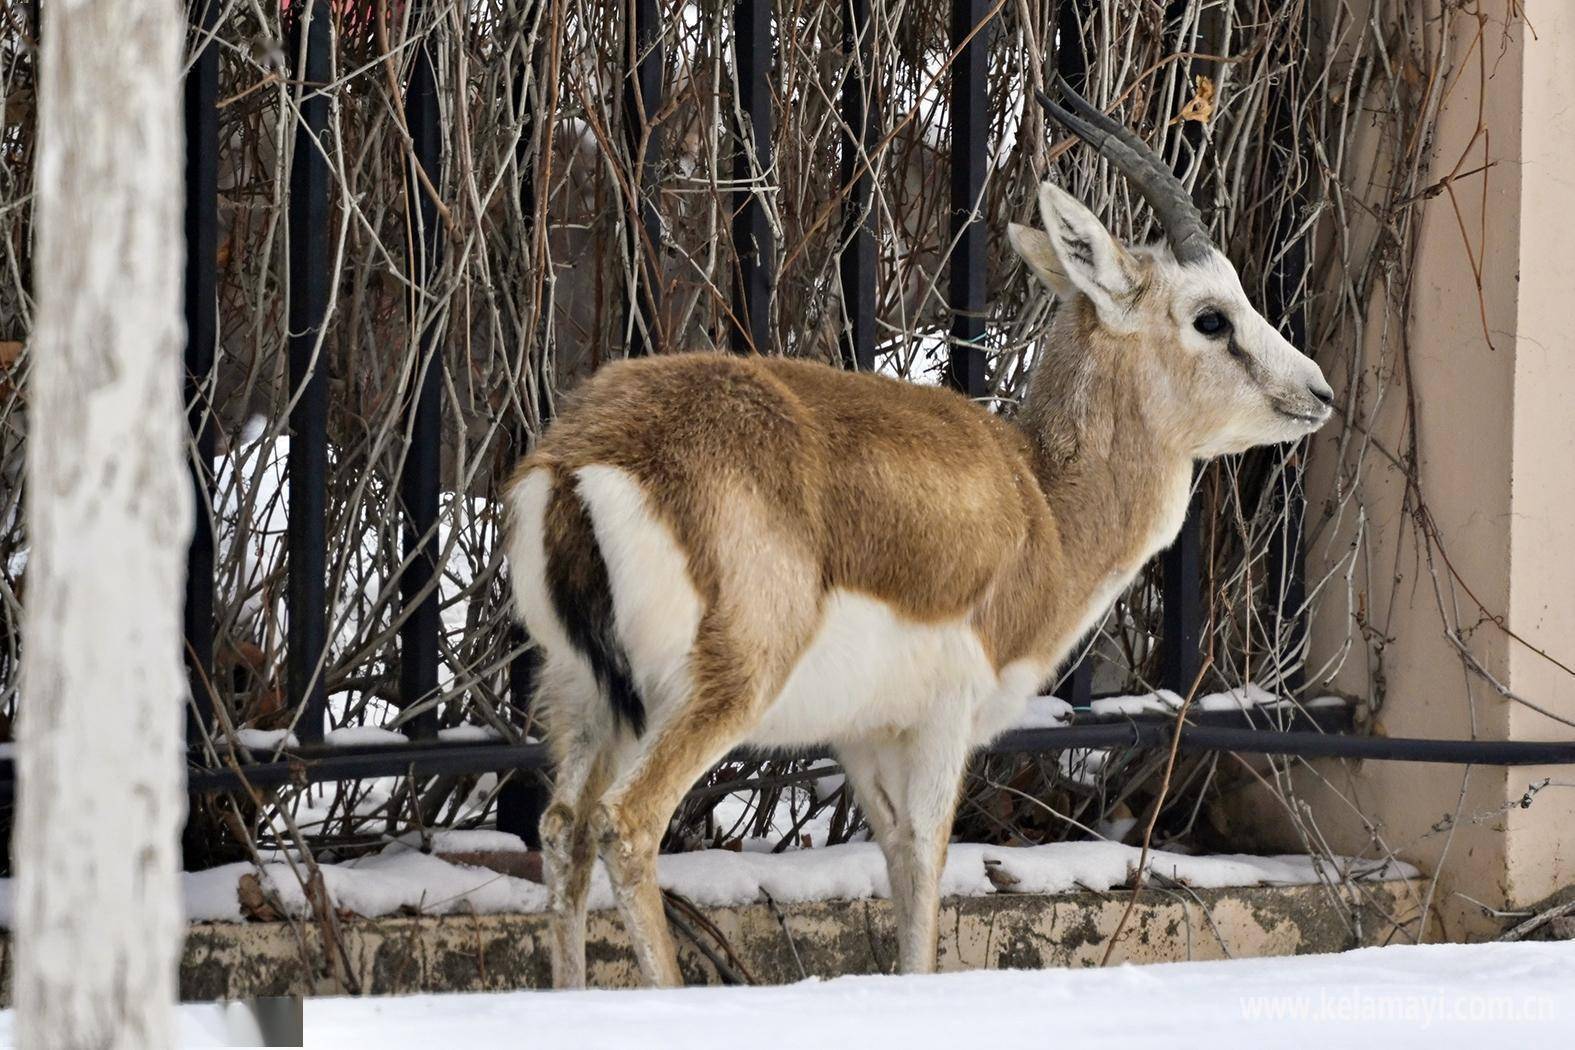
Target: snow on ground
[199,1025]
[403,879]
[1432,997]
[1401,997]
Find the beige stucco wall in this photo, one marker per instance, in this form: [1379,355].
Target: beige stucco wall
[1479,387]
[1541,838]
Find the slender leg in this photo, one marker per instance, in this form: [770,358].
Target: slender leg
[874,773]
[915,779]
[581,739]
[721,706]
[936,758]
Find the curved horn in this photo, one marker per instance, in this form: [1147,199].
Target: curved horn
[1183,224]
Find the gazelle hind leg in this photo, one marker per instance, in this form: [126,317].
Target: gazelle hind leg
[584,748]
[718,710]
[915,778]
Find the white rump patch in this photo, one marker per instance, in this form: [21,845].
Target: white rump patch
[528,559]
[656,609]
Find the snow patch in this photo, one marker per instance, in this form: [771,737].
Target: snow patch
[478,840]
[1399,998]
[1100,866]
[402,879]
[1161,701]
[1045,712]
[265,739]
[1319,702]
[409,881]
[361,736]
[469,734]
[1242,698]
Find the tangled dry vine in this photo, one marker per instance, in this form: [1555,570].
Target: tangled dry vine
[1305,130]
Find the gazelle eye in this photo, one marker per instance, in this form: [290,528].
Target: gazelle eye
[1212,323]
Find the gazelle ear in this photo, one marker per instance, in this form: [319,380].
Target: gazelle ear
[1086,255]
[1035,249]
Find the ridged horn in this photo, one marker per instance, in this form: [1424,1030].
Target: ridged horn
[1179,217]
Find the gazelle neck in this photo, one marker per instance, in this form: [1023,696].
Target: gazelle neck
[1114,476]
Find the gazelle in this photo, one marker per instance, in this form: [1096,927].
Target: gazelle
[716,550]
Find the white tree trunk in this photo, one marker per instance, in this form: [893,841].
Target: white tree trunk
[101,791]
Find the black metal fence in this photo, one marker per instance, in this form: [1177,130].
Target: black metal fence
[310,277]
[310,70]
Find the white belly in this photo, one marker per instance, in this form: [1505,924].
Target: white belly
[868,672]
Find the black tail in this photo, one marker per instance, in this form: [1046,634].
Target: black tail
[582,597]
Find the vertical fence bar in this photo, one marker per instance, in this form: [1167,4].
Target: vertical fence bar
[202,249]
[642,95]
[308,222]
[856,263]
[1288,574]
[1181,590]
[521,798]
[1181,594]
[752,238]
[1287,305]
[418,482]
[970,127]
[1071,63]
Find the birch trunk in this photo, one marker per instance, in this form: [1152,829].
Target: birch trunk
[101,796]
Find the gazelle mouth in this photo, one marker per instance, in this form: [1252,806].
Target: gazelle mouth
[1302,417]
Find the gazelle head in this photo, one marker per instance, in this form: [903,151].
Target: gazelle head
[1218,377]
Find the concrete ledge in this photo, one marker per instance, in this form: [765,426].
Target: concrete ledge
[782,943]
[786,943]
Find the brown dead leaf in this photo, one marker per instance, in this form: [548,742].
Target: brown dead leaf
[19,108]
[10,352]
[253,904]
[1201,106]
[1412,73]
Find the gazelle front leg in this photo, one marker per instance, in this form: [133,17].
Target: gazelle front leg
[911,783]
[874,770]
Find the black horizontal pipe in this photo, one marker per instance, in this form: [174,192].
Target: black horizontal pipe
[1302,743]
[318,763]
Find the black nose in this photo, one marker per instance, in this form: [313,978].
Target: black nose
[1322,392]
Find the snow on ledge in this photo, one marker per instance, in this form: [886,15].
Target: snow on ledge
[1045,712]
[403,879]
[469,734]
[1161,702]
[361,736]
[1242,698]
[265,739]
[1245,697]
